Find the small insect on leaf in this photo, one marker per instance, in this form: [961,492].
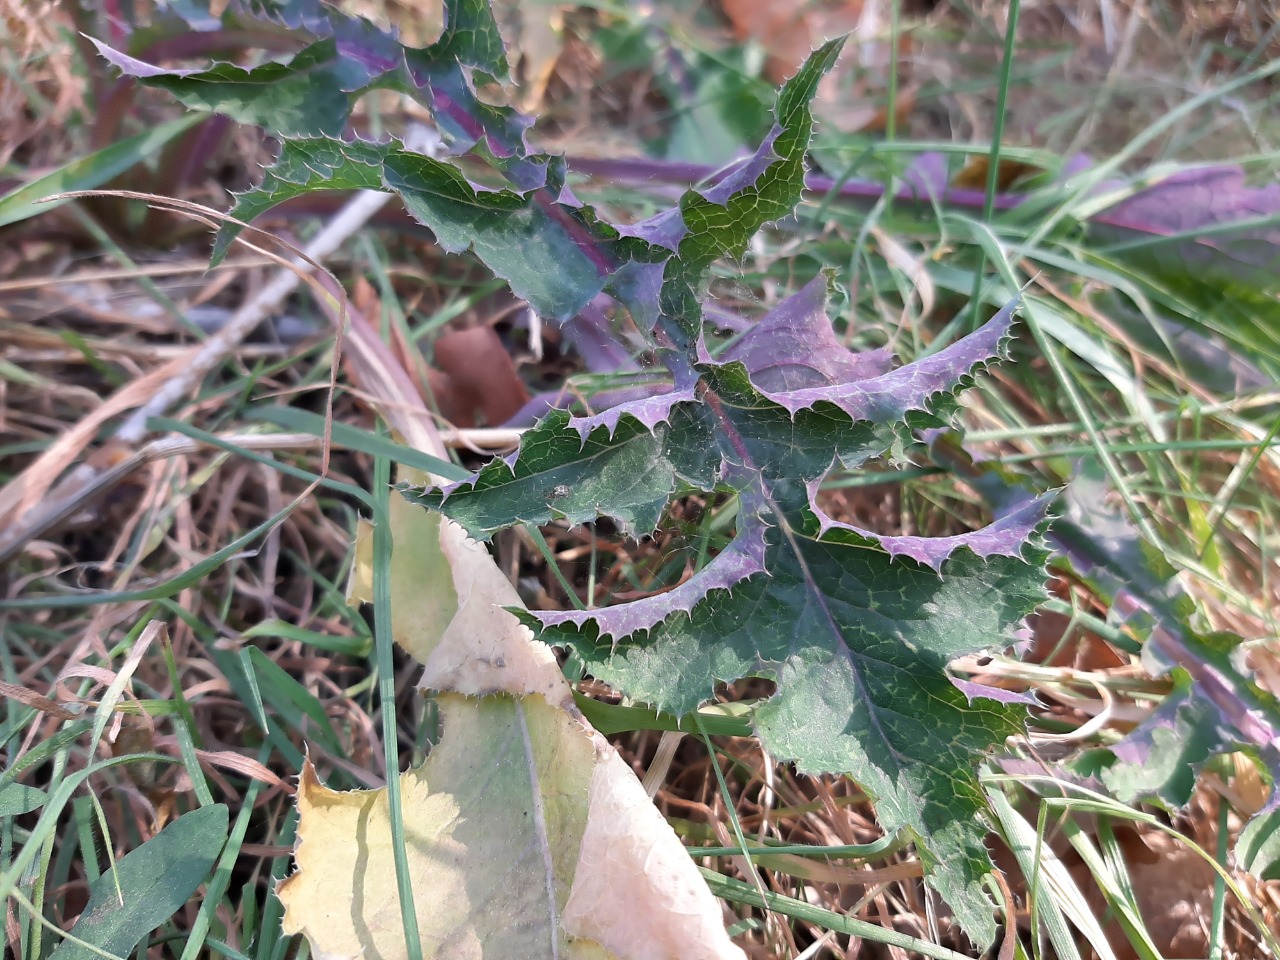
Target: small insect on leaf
[559,492]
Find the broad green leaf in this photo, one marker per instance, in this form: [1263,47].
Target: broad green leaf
[89,172]
[18,798]
[314,91]
[541,248]
[1258,849]
[536,245]
[305,165]
[155,880]
[309,96]
[554,251]
[558,475]
[857,643]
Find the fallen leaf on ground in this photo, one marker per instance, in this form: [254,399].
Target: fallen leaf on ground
[473,380]
[527,835]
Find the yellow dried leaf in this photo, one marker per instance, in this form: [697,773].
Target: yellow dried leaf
[360,579]
[527,836]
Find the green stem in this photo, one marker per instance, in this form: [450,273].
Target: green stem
[384,643]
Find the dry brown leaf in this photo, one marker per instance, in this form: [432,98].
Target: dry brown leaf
[474,381]
[973,175]
[783,29]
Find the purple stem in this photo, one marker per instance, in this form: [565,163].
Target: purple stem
[638,170]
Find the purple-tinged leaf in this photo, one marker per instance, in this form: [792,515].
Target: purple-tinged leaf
[982,691]
[766,187]
[858,645]
[857,641]
[434,75]
[551,259]
[889,397]
[1220,710]
[927,177]
[649,411]
[1005,536]
[1205,355]
[1189,200]
[863,635]
[310,96]
[665,230]
[1178,227]
[1106,550]
[591,335]
[1032,769]
[795,347]
[625,476]
[742,558]
[1218,706]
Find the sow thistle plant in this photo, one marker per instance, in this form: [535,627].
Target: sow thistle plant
[855,628]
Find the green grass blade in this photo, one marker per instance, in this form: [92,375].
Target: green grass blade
[384,645]
[353,438]
[17,799]
[739,892]
[89,172]
[156,879]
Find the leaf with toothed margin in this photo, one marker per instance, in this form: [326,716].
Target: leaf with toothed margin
[857,629]
[858,640]
[795,347]
[743,558]
[891,396]
[547,255]
[314,92]
[626,462]
[1216,707]
[302,165]
[858,643]
[719,220]
[309,96]
[471,35]
[628,475]
[312,95]
[553,250]
[1003,537]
